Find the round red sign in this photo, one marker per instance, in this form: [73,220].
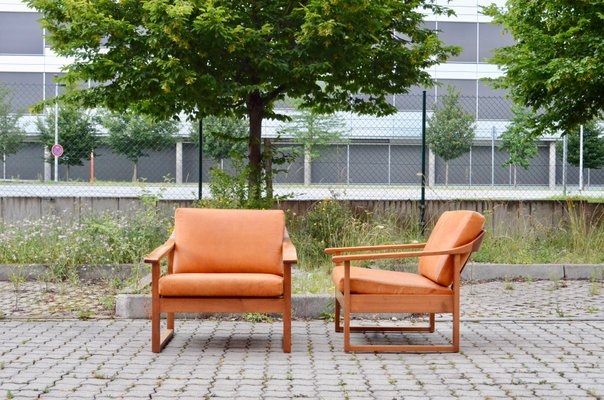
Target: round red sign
[57,150]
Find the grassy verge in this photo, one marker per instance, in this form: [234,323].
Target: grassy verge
[115,238]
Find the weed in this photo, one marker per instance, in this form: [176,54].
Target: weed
[528,279]
[258,317]
[592,393]
[555,281]
[98,375]
[560,312]
[9,395]
[392,381]
[108,302]
[84,314]
[17,278]
[289,376]
[2,316]
[592,309]
[508,285]
[1,365]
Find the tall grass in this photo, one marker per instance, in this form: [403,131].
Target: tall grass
[103,239]
[116,238]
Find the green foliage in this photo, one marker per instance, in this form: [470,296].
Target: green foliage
[11,134]
[111,238]
[223,137]
[230,58]
[77,134]
[314,130]
[555,66]
[229,189]
[593,146]
[331,223]
[450,130]
[133,135]
[518,140]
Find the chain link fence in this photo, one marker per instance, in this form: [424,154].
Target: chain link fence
[350,156]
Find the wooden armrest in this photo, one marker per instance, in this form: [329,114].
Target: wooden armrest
[289,253]
[338,250]
[156,255]
[375,256]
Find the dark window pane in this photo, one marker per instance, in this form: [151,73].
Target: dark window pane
[460,34]
[468,92]
[492,103]
[20,33]
[25,89]
[491,36]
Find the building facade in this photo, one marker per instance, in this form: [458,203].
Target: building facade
[383,151]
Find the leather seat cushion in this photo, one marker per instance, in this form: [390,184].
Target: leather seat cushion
[228,241]
[453,229]
[375,281]
[220,285]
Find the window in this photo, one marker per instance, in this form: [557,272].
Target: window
[491,37]
[20,33]
[468,92]
[25,89]
[460,34]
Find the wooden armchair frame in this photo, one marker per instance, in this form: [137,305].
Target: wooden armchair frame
[399,303]
[171,305]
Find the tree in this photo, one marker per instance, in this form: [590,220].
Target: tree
[518,140]
[77,135]
[132,135]
[450,130]
[11,134]
[313,130]
[593,146]
[223,137]
[556,65]
[228,57]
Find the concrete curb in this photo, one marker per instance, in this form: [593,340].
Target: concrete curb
[319,305]
[137,306]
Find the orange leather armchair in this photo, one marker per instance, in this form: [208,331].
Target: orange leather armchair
[223,261]
[435,289]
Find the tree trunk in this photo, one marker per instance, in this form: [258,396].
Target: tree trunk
[267,157]
[135,172]
[255,113]
[307,165]
[3,165]
[515,172]
[446,173]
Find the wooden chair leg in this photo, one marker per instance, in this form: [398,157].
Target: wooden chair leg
[155,333]
[287,325]
[170,320]
[432,322]
[337,307]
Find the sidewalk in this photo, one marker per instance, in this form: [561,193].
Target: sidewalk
[542,339]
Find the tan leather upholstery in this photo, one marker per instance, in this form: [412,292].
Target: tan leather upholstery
[234,241]
[453,229]
[221,285]
[375,281]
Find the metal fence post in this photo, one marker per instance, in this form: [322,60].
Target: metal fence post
[200,190]
[581,159]
[422,202]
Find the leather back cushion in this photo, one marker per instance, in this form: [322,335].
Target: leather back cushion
[453,229]
[209,240]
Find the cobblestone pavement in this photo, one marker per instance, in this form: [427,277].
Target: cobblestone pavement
[56,300]
[243,360]
[537,299]
[528,340]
